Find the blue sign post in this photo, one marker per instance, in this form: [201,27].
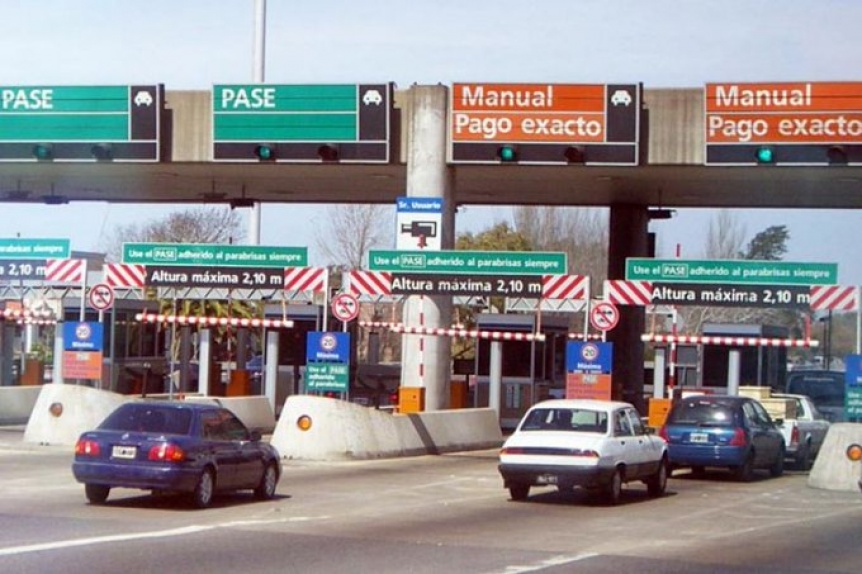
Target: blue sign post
[853,388]
[327,359]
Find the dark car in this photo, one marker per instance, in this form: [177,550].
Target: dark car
[825,389]
[175,446]
[724,431]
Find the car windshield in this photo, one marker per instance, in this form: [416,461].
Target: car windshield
[824,389]
[567,419]
[702,413]
[150,419]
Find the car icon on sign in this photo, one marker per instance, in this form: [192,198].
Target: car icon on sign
[372,97]
[143,99]
[621,97]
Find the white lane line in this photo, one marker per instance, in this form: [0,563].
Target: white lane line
[186,530]
[549,562]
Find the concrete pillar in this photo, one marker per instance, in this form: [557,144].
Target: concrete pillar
[426,359]
[270,374]
[185,358]
[658,371]
[58,353]
[7,351]
[628,238]
[734,367]
[204,358]
[495,376]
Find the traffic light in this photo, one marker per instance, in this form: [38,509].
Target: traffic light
[328,152]
[507,154]
[102,152]
[43,152]
[575,154]
[265,152]
[765,155]
[837,155]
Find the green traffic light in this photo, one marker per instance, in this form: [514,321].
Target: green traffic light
[264,152]
[506,153]
[42,151]
[765,155]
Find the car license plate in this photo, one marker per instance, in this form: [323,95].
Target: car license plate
[547,479]
[124,452]
[698,437]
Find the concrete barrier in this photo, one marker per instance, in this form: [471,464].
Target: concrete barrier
[341,430]
[16,404]
[832,470]
[83,408]
[255,412]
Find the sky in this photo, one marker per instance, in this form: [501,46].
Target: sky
[193,44]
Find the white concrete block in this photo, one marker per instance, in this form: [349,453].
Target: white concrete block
[832,470]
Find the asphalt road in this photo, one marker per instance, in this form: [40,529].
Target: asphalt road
[445,513]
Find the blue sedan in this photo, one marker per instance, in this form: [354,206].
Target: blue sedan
[179,447]
[719,430]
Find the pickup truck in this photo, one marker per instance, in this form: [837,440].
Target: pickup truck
[803,435]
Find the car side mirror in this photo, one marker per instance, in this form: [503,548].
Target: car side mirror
[255,436]
[779,422]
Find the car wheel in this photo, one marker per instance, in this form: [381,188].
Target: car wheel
[203,493]
[519,491]
[266,489]
[777,468]
[657,483]
[614,488]
[745,471]
[96,493]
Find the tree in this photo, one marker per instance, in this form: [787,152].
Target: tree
[581,233]
[197,225]
[725,236]
[768,245]
[351,231]
[499,237]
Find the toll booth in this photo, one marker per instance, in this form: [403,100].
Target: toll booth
[759,366]
[532,371]
[134,355]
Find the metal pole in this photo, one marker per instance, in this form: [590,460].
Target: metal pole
[859,320]
[259,75]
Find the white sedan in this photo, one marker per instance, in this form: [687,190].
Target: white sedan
[598,445]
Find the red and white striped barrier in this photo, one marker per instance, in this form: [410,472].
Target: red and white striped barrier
[587,337]
[728,341]
[65,270]
[565,287]
[468,333]
[214,321]
[834,297]
[305,279]
[125,274]
[27,315]
[621,292]
[369,282]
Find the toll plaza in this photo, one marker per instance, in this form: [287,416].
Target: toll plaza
[637,151]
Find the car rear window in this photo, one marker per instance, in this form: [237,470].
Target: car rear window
[825,389]
[702,413]
[149,419]
[576,420]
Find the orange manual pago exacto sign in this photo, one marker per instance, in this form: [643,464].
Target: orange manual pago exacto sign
[524,113]
[798,112]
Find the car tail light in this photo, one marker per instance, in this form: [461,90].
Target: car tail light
[512,450]
[794,435]
[739,438]
[585,453]
[167,452]
[87,447]
[662,432]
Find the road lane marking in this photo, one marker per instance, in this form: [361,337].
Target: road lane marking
[183,531]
